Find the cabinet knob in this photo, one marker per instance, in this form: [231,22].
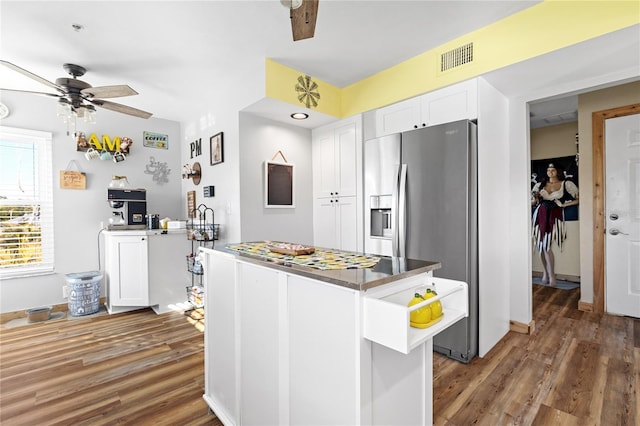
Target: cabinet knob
[336,193]
[336,200]
[415,126]
[331,201]
[143,238]
[424,124]
[332,193]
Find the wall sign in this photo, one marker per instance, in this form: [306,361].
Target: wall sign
[105,143]
[196,148]
[155,140]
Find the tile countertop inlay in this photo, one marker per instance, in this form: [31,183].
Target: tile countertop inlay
[387,270]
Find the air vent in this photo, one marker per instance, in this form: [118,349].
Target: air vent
[456,57]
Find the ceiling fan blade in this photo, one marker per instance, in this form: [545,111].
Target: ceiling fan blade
[31,75]
[109,91]
[303,20]
[120,108]
[32,93]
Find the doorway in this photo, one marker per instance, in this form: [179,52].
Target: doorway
[553,139]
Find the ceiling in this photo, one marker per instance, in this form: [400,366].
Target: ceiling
[177,55]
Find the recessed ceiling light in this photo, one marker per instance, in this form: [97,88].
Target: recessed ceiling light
[299,116]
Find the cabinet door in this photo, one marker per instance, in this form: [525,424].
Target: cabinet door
[258,302]
[127,270]
[346,150]
[324,223]
[220,336]
[324,164]
[453,103]
[399,117]
[347,223]
[323,349]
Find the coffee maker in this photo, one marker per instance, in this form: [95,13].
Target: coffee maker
[131,206]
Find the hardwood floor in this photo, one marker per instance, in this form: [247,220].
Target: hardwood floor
[131,368]
[577,368]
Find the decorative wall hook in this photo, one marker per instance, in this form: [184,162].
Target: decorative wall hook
[192,172]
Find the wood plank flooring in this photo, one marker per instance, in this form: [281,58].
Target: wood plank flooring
[131,368]
[577,368]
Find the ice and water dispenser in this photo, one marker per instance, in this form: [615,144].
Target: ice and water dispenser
[380,208]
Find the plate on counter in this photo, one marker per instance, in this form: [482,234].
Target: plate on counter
[290,249]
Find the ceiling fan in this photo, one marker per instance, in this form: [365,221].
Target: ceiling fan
[78,97]
[303,14]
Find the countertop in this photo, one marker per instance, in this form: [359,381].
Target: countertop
[387,270]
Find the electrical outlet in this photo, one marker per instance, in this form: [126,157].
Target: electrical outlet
[65,292]
[101,225]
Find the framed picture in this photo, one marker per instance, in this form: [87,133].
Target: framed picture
[217,149]
[278,185]
[568,166]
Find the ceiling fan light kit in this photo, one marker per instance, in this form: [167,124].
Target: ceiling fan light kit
[291,4]
[78,99]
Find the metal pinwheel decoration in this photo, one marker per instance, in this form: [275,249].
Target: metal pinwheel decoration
[307,91]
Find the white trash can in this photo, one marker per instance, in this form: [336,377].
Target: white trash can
[84,292]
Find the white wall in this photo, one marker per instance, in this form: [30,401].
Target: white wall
[220,113]
[260,139]
[493,217]
[78,213]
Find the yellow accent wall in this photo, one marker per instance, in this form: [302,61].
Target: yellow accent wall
[538,30]
[281,82]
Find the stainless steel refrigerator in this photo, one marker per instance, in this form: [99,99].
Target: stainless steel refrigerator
[421,203]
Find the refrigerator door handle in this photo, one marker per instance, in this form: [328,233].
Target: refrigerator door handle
[394,213]
[402,211]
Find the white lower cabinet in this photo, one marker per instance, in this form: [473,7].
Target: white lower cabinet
[335,223]
[145,269]
[126,266]
[284,349]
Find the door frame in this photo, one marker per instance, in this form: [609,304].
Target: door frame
[599,174]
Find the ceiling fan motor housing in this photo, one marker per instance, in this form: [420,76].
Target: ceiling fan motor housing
[74,70]
[73,89]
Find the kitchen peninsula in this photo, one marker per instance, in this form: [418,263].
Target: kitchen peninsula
[300,339]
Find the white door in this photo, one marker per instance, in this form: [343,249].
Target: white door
[622,241]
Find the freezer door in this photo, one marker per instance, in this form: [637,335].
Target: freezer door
[440,218]
[381,162]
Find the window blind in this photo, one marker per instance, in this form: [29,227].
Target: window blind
[26,203]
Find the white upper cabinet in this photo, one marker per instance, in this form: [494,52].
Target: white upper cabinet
[334,153]
[452,103]
[398,117]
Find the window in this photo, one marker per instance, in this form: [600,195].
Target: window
[26,203]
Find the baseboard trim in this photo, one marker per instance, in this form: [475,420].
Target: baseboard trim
[520,327]
[62,307]
[585,306]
